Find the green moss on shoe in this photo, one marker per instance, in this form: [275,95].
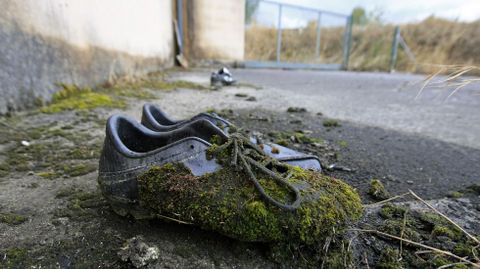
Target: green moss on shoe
[226,201]
[282,142]
[460,266]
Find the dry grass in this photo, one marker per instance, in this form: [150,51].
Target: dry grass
[297,44]
[455,77]
[433,41]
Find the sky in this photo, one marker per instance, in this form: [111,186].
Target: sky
[394,11]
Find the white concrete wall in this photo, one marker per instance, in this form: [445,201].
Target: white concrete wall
[137,27]
[218,29]
[44,42]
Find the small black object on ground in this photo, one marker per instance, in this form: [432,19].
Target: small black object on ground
[222,77]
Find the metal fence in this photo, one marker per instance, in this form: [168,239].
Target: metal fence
[279,35]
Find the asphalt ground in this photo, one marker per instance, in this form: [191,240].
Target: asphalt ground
[377,99]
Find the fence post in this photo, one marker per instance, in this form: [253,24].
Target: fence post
[279,32]
[180,21]
[394,52]
[319,26]
[347,42]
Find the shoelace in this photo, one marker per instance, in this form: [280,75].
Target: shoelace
[241,149]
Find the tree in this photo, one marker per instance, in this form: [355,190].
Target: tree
[359,16]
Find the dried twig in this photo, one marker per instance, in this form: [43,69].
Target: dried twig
[454,79]
[460,72]
[401,234]
[303,258]
[427,81]
[423,252]
[174,220]
[366,260]
[457,89]
[445,217]
[325,248]
[387,200]
[451,265]
[447,253]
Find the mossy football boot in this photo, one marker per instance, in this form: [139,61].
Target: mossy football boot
[156,119]
[226,184]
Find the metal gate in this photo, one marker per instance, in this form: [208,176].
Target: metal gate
[279,35]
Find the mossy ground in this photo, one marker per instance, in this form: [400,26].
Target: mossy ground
[424,227]
[377,191]
[155,82]
[81,204]
[288,138]
[55,150]
[12,218]
[72,97]
[15,258]
[112,94]
[343,143]
[455,194]
[142,87]
[331,123]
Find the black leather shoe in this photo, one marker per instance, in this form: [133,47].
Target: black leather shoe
[229,185]
[222,77]
[156,119]
[130,149]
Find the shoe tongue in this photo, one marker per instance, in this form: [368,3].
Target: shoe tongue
[216,120]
